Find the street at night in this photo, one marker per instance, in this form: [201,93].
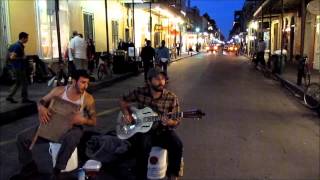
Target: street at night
[159,89]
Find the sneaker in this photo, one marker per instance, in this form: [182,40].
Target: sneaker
[27,101]
[10,99]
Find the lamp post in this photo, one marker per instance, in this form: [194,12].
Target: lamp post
[107,26]
[197,30]
[150,19]
[58,29]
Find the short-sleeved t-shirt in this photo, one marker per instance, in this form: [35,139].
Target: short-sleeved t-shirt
[18,49]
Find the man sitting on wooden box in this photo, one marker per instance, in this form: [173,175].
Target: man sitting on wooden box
[86,116]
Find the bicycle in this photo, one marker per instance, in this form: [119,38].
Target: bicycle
[105,67]
[311,94]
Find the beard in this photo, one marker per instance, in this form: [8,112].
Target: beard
[158,88]
[79,90]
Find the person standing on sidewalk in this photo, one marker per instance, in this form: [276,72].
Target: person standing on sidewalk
[163,57]
[178,48]
[260,53]
[147,55]
[75,93]
[91,52]
[17,57]
[78,47]
[71,65]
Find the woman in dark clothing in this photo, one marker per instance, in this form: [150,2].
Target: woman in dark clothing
[91,51]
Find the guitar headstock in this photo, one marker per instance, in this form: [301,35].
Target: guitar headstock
[196,113]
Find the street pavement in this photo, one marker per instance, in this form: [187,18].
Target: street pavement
[253,128]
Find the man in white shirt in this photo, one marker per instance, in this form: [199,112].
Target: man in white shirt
[78,49]
[71,66]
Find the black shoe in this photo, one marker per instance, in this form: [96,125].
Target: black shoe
[10,99]
[55,174]
[27,172]
[27,101]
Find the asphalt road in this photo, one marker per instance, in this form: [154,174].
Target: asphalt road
[253,128]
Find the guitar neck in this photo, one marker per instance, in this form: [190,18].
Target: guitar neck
[158,118]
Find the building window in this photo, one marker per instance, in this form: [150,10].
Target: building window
[47,28]
[115,34]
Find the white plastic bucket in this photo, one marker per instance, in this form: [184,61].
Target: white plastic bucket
[157,163]
[72,162]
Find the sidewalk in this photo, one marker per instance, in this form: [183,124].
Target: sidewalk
[10,112]
[289,78]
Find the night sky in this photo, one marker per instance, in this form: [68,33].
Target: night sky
[221,11]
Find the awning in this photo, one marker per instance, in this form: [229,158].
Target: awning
[274,6]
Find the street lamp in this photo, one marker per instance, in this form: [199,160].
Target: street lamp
[197,30]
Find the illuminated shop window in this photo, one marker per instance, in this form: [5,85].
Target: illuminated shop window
[47,28]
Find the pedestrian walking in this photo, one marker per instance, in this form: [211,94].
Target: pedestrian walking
[163,57]
[260,53]
[178,48]
[17,58]
[78,47]
[147,55]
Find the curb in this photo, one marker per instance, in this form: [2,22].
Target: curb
[296,89]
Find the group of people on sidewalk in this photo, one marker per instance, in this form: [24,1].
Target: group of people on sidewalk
[151,58]
[79,54]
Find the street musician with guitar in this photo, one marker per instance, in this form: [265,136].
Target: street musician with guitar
[74,95]
[162,101]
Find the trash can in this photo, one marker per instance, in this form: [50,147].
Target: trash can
[279,62]
[119,64]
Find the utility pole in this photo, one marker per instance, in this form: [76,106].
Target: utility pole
[150,20]
[133,31]
[107,24]
[58,29]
